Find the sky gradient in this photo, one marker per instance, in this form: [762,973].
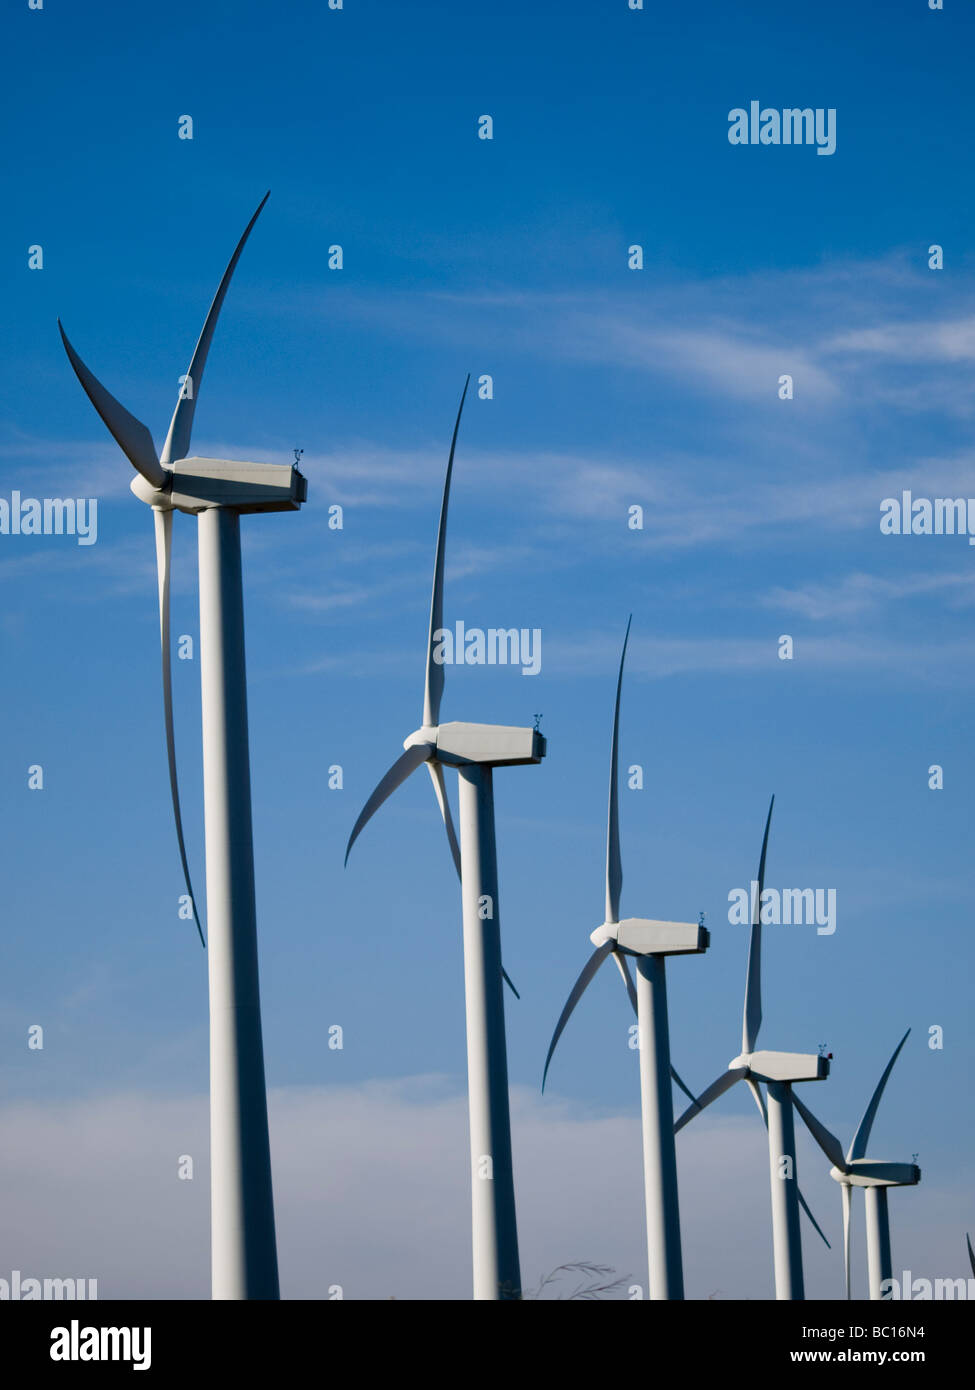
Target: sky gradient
[612,388]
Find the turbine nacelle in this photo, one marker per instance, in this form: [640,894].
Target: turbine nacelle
[196,484]
[493,745]
[785,1067]
[876,1172]
[641,936]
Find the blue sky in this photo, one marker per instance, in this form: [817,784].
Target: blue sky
[612,387]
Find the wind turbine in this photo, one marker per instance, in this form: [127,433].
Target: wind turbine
[651,943]
[475,750]
[780,1071]
[854,1169]
[218,492]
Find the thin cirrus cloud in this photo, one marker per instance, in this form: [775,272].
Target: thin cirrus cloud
[952,340]
[733,361]
[856,595]
[733,335]
[658,658]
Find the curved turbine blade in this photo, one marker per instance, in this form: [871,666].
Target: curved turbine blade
[436,776]
[860,1140]
[130,434]
[717,1088]
[433,687]
[847,1217]
[816,1226]
[756,1091]
[971,1252]
[409,761]
[164,546]
[177,445]
[687,1091]
[578,989]
[828,1142]
[624,970]
[759,1099]
[614,862]
[435,770]
[752,1019]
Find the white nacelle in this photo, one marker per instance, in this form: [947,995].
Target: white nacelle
[877,1172]
[784,1066]
[496,744]
[641,936]
[241,487]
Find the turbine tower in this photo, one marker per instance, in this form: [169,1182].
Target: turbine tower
[475,750]
[780,1071]
[650,942]
[875,1176]
[218,492]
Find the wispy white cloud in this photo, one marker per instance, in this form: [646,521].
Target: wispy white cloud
[948,340]
[657,658]
[858,594]
[39,466]
[731,359]
[730,336]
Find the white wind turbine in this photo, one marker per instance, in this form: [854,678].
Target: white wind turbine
[854,1169]
[218,492]
[650,942]
[780,1071]
[474,750]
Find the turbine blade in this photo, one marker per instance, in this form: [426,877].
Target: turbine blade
[177,445]
[433,687]
[759,1099]
[756,1091]
[828,1142]
[971,1252]
[752,1019]
[578,989]
[624,970]
[435,770]
[436,776]
[409,761]
[677,1081]
[860,1140]
[717,1088]
[816,1226]
[847,1217]
[130,434]
[614,862]
[164,546]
